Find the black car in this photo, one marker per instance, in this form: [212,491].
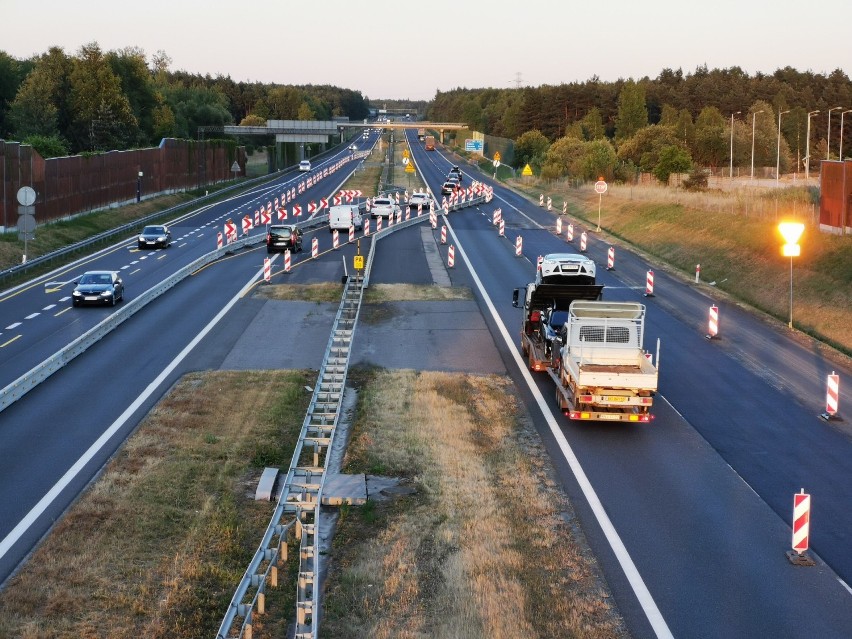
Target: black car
[455,172]
[98,287]
[155,236]
[281,237]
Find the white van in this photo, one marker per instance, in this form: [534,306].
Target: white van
[342,216]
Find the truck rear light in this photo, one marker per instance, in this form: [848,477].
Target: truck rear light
[646,400]
[587,399]
[575,414]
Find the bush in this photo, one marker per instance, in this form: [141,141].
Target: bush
[697,180]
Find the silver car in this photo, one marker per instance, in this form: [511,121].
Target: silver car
[383,207]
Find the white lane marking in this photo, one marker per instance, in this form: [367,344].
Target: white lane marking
[12,327]
[32,315]
[655,617]
[54,492]
[65,299]
[48,307]
[125,267]
[845,585]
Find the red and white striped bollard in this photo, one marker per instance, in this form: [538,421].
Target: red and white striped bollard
[610,258]
[366,226]
[443,234]
[713,322]
[378,224]
[267,269]
[335,239]
[697,273]
[519,246]
[502,228]
[538,263]
[832,396]
[287,261]
[351,232]
[569,234]
[649,284]
[559,226]
[219,240]
[583,242]
[801,530]
[314,247]
[451,256]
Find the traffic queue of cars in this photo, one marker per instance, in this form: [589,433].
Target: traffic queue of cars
[453,181]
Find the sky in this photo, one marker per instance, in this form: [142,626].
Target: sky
[412,49]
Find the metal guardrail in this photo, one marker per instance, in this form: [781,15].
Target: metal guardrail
[301,490]
[32,378]
[130,226]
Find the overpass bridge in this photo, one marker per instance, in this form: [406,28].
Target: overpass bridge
[321,131]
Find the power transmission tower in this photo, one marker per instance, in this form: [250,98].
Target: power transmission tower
[518,80]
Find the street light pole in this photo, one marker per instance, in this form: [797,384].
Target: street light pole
[828,135]
[753,116]
[808,148]
[732,144]
[778,151]
[791,232]
[842,113]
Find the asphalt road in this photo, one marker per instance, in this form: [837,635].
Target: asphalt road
[57,437]
[689,515]
[701,498]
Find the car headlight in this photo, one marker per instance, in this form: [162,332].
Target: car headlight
[77,294]
[106,293]
[162,238]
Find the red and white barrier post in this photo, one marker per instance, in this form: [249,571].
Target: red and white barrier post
[559,226]
[801,530]
[649,284]
[541,200]
[366,226]
[335,239]
[502,228]
[538,263]
[569,234]
[267,269]
[713,323]
[287,261]
[832,396]
[219,240]
[583,239]
[433,219]
[314,247]
[519,246]
[378,224]
[697,273]
[351,233]
[610,258]
[443,234]
[564,207]
[451,256]
[549,204]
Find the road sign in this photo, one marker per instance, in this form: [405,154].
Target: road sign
[497,157]
[405,160]
[235,167]
[527,170]
[26,224]
[359,262]
[409,168]
[405,153]
[600,187]
[473,146]
[26,196]
[496,164]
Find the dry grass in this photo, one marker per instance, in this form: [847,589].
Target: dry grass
[486,548]
[737,244]
[377,293]
[157,545]
[322,292]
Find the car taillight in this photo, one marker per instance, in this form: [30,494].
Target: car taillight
[268,238]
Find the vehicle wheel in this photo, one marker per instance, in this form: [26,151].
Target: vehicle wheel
[75,303]
[112,300]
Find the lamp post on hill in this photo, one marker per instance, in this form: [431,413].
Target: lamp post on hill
[791,232]
[842,113]
[731,176]
[828,135]
[808,148]
[778,151]
[753,116]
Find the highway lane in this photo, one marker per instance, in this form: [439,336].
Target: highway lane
[712,558]
[36,319]
[56,437]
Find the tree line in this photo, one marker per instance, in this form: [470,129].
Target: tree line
[94,100]
[671,123]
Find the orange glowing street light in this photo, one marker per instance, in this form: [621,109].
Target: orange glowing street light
[791,232]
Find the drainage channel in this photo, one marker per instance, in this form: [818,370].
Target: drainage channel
[298,507]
